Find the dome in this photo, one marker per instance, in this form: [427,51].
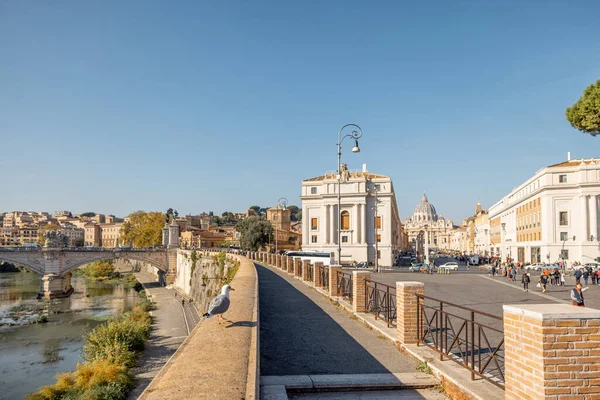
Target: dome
[425,211]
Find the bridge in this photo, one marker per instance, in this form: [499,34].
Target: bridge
[55,264]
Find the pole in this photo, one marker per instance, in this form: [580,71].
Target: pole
[339,199]
[376,241]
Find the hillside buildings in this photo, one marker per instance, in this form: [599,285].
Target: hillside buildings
[368,217]
[551,216]
[285,237]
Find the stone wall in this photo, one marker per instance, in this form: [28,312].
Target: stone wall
[200,276]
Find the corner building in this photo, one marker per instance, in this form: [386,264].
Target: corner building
[360,228]
[534,221]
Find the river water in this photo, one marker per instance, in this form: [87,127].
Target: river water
[32,355]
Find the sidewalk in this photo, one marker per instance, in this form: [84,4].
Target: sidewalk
[303,333]
[169,330]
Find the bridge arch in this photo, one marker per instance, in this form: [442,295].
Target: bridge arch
[156,259]
[31,264]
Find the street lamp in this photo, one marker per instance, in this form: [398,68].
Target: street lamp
[375,228]
[355,134]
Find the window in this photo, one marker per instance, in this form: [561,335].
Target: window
[564,254]
[563,236]
[378,238]
[313,190]
[378,223]
[562,178]
[563,218]
[344,239]
[313,224]
[313,238]
[378,187]
[345,220]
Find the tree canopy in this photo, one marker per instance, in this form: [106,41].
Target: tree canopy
[143,229]
[88,214]
[254,232]
[585,114]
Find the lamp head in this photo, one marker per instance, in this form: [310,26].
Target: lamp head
[356,149]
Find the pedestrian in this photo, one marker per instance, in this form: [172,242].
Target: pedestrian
[577,296]
[493,270]
[586,275]
[514,277]
[525,279]
[577,275]
[543,282]
[562,278]
[182,301]
[593,277]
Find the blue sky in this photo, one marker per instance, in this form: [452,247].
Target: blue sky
[116,106]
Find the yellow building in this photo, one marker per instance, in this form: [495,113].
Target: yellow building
[285,238]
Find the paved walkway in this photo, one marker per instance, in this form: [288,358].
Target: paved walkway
[169,329]
[301,332]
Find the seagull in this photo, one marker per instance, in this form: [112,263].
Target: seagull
[220,304]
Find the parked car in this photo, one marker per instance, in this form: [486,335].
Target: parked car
[362,264]
[450,265]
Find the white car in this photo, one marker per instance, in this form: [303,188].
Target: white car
[534,267]
[450,265]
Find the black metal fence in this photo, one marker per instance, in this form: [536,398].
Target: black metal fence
[380,300]
[310,272]
[344,285]
[299,271]
[462,337]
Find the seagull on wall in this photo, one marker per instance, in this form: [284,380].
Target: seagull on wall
[220,304]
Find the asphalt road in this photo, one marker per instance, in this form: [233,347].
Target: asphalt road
[301,332]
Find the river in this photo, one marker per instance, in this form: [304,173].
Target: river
[32,355]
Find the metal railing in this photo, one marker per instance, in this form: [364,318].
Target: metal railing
[310,273]
[299,271]
[344,285]
[380,300]
[463,339]
[324,271]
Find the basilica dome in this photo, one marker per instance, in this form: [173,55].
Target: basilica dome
[425,211]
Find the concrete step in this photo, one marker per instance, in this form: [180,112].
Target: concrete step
[283,387]
[408,394]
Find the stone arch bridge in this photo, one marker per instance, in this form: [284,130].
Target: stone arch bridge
[55,264]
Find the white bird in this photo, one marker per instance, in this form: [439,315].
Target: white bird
[220,304]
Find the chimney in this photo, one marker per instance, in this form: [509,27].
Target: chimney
[569,156]
[364,168]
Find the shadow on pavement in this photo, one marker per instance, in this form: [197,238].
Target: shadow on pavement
[297,337]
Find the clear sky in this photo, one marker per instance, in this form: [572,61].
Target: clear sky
[113,106]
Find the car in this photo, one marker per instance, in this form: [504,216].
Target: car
[419,267]
[362,264]
[450,265]
[534,267]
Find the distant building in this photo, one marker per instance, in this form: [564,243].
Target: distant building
[287,239]
[360,228]
[63,213]
[425,218]
[552,215]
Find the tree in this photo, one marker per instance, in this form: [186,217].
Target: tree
[256,209]
[143,229]
[254,232]
[88,214]
[585,114]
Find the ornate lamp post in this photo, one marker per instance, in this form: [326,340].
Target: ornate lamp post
[355,134]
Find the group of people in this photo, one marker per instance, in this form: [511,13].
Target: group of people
[586,273]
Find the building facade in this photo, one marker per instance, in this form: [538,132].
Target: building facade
[368,218]
[425,219]
[551,216]
[285,238]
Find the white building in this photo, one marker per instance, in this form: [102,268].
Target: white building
[425,218]
[556,207]
[359,228]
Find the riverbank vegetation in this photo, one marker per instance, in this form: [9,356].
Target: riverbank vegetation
[109,353]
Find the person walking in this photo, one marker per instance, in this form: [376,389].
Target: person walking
[577,276]
[562,279]
[543,282]
[586,276]
[514,275]
[525,279]
[577,296]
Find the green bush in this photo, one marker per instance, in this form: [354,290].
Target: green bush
[99,270]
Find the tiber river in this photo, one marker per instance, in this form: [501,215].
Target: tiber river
[32,355]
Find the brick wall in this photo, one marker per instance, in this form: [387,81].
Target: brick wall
[359,283]
[552,351]
[406,311]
